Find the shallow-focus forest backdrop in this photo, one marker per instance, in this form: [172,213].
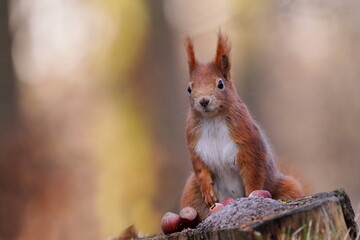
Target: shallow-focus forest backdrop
[93,103]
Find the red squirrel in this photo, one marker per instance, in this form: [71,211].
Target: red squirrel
[229,152]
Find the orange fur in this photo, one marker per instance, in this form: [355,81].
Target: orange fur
[190,53]
[192,196]
[223,54]
[256,164]
[287,188]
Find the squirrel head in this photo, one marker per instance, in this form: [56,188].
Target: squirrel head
[210,87]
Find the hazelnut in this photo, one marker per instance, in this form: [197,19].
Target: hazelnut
[216,207]
[260,193]
[226,201]
[189,217]
[171,223]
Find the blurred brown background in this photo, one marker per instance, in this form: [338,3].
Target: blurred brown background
[93,103]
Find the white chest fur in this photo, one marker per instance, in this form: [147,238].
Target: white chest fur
[218,151]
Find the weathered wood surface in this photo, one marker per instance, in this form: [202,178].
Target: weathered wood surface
[324,215]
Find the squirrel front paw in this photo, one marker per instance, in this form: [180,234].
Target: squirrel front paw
[209,196]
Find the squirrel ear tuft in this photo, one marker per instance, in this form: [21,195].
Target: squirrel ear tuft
[190,53]
[222,57]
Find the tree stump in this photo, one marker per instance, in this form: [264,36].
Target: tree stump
[323,215]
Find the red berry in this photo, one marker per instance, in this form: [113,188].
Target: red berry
[189,217]
[226,201]
[216,207]
[171,223]
[260,193]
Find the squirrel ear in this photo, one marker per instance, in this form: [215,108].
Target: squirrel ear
[190,53]
[222,57]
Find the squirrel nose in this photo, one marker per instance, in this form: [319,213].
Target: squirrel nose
[204,101]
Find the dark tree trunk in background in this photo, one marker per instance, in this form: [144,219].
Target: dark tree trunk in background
[8,103]
[160,100]
[11,197]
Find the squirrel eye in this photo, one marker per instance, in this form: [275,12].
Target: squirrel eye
[220,84]
[189,89]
